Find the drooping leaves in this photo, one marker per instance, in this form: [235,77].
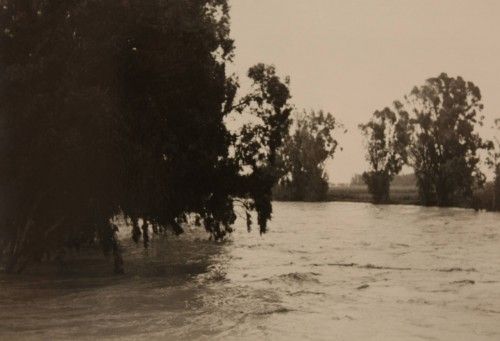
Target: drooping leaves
[117,107]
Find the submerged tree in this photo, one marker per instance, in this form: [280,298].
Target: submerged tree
[304,154]
[257,143]
[387,135]
[115,106]
[445,145]
[61,162]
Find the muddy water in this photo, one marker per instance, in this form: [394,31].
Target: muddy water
[340,271]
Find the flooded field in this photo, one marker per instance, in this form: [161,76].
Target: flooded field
[341,271]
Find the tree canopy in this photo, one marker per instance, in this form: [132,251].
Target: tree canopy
[302,158]
[387,135]
[434,130]
[445,144]
[110,107]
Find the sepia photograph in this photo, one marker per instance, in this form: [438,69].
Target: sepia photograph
[250,170]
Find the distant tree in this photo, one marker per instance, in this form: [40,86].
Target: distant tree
[304,154]
[444,148]
[357,180]
[493,161]
[404,180]
[387,135]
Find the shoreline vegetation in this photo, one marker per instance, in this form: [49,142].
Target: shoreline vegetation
[433,130]
[399,195]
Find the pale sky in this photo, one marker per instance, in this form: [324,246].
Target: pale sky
[354,57]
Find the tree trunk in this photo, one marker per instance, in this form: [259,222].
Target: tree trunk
[496,190]
[117,257]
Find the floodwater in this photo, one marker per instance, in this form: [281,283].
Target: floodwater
[325,271]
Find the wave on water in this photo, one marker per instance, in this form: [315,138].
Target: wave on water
[464,282]
[384,267]
[306,292]
[295,278]
[456,269]
[279,310]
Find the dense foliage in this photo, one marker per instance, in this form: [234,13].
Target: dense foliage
[387,135]
[438,124]
[118,106]
[257,143]
[303,157]
[445,144]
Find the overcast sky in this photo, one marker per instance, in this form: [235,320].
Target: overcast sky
[353,57]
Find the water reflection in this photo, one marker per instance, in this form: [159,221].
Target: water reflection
[163,286]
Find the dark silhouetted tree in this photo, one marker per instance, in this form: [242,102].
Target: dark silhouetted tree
[110,107]
[387,135]
[61,167]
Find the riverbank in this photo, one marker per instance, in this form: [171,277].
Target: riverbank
[404,195]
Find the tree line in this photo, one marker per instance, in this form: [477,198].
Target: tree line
[434,131]
[401,180]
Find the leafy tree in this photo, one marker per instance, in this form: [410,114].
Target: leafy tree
[257,143]
[174,87]
[61,138]
[110,107]
[387,135]
[304,154]
[444,148]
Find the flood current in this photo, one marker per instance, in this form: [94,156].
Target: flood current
[324,271]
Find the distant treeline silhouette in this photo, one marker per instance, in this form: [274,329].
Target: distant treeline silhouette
[434,131]
[402,180]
